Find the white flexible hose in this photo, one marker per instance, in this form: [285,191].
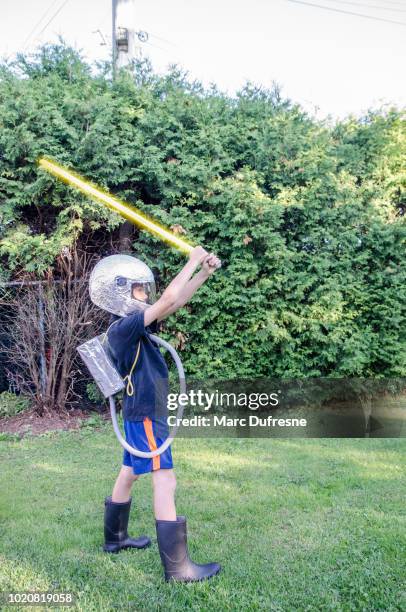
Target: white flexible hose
[170,438]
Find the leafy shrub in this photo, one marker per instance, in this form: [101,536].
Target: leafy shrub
[94,394]
[309,220]
[11,404]
[94,421]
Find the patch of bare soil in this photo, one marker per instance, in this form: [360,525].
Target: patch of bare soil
[30,422]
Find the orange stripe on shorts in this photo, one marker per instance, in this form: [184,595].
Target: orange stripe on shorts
[156,461]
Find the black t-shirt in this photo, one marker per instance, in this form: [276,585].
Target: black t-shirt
[150,375]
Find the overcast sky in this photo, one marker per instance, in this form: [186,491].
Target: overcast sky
[331,63]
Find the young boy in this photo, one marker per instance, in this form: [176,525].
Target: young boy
[125,286]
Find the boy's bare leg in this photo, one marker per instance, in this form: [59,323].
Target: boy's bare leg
[164,486]
[123,484]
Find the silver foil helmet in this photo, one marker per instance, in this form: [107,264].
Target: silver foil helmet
[112,280]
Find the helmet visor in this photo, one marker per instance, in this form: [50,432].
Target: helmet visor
[144,292]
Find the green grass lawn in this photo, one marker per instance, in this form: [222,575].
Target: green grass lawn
[297,524]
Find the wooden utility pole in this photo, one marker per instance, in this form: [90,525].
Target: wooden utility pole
[123,34]
[124,50]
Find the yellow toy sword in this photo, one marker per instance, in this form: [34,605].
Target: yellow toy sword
[122,208]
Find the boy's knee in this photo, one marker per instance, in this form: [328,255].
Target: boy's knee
[128,475]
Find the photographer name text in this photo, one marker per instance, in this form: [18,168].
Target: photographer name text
[224,421]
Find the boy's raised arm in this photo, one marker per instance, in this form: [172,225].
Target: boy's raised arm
[181,288]
[209,266]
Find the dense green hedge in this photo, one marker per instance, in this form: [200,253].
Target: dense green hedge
[308,218]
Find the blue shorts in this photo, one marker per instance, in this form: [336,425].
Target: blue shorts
[146,436]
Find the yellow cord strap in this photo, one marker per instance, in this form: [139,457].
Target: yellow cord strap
[130,388]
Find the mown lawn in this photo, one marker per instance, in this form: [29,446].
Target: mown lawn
[297,524]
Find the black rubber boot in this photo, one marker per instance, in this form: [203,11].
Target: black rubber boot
[116,538]
[172,543]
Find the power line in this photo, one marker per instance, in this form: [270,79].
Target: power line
[107,13]
[374,6]
[165,40]
[336,10]
[156,46]
[393,2]
[50,7]
[53,17]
